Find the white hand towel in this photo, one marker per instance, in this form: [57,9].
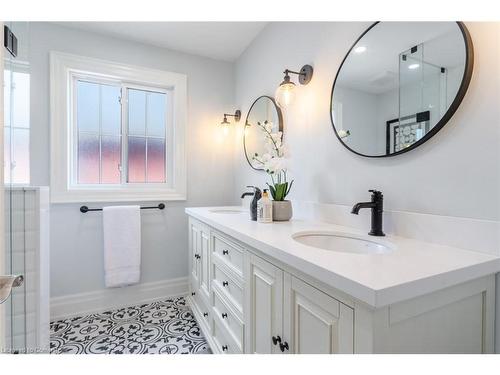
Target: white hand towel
[122,245]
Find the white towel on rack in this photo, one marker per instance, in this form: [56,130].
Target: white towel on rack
[122,245]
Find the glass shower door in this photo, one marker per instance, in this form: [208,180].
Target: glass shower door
[422,97]
[16,177]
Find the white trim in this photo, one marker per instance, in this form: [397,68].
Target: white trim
[62,66]
[2,192]
[112,298]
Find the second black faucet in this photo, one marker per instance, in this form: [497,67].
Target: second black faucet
[377,206]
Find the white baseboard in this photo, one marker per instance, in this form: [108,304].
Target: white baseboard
[112,298]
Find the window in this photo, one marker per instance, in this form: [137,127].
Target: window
[111,149]
[118,132]
[17,124]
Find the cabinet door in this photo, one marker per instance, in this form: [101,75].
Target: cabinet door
[314,322]
[264,307]
[204,263]
[194,254]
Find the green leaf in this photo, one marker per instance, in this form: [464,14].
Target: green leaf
[280,191]
[289,188]
[271,189]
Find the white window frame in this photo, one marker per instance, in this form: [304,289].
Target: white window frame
[17,67]
[64,68]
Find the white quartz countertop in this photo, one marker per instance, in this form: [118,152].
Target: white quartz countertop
[414,268]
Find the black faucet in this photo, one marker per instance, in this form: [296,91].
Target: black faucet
[246,194]
[377,206]
[257,194]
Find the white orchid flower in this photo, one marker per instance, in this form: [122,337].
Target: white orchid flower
[282,151]
[266,157]
[269,127]
[274,162]
[343,133]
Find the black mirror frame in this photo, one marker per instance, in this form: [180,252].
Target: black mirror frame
[464,85]
[280,125]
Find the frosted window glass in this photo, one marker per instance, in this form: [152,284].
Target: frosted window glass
[88,159]
[6,97]
[6,156]
[88,106]
[136,112]
[136,159]
[156,114]
[21,100]
[110,110]
[111,155]
[21,156]
[99,125]
[156,160]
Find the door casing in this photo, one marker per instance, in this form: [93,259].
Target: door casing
[2,191]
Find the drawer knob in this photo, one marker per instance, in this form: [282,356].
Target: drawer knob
[276,340]
[225,283]
[193,293]
[283,346]
[205,314]
[197,256]
[224,348]
[225,252]
[224,315]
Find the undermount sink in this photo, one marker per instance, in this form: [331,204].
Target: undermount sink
[343,242]
[226,211]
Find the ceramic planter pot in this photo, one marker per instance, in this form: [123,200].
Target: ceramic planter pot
[282,210]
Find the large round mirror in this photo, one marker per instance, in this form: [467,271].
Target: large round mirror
[263,118]
[399,84]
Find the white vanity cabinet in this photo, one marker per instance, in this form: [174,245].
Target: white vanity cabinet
[248,305]
[264,306]
[199,264]
[296,316]
[247,301]
[200,259]
[314,322]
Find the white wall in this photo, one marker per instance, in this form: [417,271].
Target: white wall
[76,239]
[455,173]
[361,123]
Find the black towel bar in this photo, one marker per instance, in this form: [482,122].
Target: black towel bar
[84,209]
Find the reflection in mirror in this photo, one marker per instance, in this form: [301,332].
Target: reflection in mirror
[399,84]
[264,115]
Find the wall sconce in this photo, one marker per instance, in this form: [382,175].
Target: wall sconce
[225,124]
[286,90]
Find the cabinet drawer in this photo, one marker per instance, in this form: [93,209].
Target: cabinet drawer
[206,314]
[204,311]
[231,288]
[228,319]
[229,253]
[224,344]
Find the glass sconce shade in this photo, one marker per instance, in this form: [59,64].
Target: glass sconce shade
[285,93]
[225,128]
[225,123]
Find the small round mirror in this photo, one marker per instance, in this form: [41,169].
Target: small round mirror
[399,84]
[264,117]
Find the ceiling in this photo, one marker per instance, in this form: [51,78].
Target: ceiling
[377,70]
[218,40]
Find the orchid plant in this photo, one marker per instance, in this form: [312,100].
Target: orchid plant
[273,161]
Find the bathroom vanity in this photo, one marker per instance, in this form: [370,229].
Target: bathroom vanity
[284,288]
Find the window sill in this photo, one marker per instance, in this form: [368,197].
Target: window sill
[79,196]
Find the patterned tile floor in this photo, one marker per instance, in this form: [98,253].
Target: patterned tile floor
[164,327]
